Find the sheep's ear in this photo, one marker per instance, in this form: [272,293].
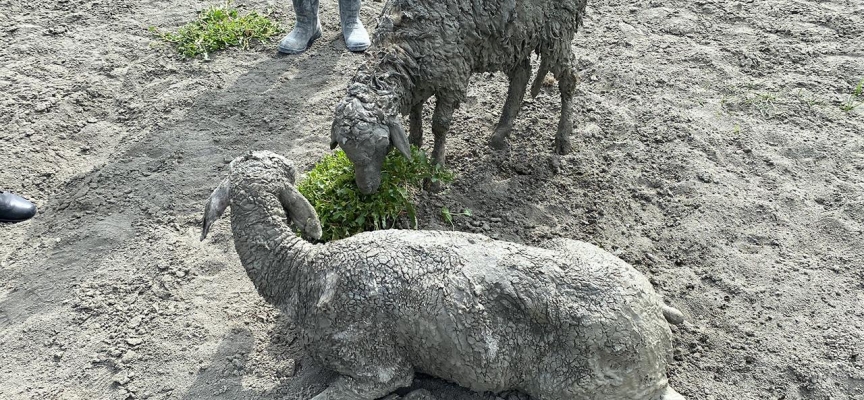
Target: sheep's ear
[302,213]
[399,139]
[215,206]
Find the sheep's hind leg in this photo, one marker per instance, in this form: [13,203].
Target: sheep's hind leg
[518,84]
[541,76]
[415,125]
[567,85]
[441,119]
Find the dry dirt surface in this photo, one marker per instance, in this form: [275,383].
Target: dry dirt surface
[710,151]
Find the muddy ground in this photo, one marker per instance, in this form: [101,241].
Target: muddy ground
[710,151]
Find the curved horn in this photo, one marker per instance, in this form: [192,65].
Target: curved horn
[334,127]
[302,213]
[215,207]
[399,139]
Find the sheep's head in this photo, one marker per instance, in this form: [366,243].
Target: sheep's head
[366,133]
[262,173]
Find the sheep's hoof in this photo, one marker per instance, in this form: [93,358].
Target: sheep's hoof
[434,187]
[498,142]
[562,146]
[673,315]
[419,394]
[514,395]
[671,394]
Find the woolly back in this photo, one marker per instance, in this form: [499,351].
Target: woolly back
[441,40]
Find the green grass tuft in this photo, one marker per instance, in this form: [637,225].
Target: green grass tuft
[219,28]
[344,211]
[447,215]
[856,99]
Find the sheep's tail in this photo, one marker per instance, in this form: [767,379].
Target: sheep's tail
[541,75]
[673,316]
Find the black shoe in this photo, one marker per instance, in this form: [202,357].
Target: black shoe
[13,208]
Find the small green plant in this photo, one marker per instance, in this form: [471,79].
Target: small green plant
[344,211]
[764,103]
[808,99]
[218,28]
[856,99]
[448,216]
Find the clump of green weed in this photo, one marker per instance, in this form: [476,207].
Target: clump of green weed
[447,215]
[856,99]
[344,211]
[218,28]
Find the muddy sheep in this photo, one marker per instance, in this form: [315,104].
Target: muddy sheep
[432,47]
[562,322]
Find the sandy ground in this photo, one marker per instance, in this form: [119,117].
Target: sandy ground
[710,151]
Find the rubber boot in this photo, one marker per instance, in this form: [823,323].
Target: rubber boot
[14,208]
[356,37]
[306,29]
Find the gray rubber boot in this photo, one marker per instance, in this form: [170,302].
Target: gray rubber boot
[356,37]
[306,29]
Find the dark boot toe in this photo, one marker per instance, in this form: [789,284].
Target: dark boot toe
[14,208]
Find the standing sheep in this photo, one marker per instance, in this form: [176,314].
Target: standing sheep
[431,47]
[564,322]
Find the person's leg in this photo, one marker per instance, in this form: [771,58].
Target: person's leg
[14,208]
[306,29]
[356,37]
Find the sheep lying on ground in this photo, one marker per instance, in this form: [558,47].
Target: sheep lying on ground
[431,47]
[563,322]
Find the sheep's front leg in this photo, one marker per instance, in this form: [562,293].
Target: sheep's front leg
[567,85]
[349,388]
[415,125]
[518,83]
[370,364]
[441,119]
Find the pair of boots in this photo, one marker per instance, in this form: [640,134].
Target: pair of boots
[308,27]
